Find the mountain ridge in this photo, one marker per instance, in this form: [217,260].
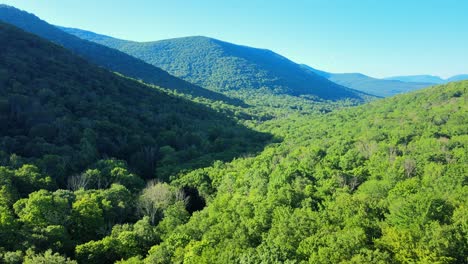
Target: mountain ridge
[417,78]
[428,78]
[371,85]
[223,66]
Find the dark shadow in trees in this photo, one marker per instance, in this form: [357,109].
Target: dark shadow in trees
[195,202]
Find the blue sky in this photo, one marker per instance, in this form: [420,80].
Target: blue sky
[376,37]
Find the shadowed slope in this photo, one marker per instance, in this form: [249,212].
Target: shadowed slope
[64,113]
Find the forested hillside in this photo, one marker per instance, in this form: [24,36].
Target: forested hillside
[111,59]
[67,112]
[223,66]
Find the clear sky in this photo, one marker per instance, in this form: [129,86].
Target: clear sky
[376,37]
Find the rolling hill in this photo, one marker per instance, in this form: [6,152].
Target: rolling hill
[370,85]
[223,66]
[111,59]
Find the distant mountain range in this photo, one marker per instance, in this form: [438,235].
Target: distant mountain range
[101,55]
[223,66]
[429,78]
[456,78]
[387,86]
[367,84]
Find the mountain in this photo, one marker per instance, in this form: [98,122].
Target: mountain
[418,78]
[456,78]
[63,113]
[111,59]
[387,86]
[429,78]
[370,85]
[223,66]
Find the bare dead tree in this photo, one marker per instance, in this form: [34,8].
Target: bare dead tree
[180,195]
[77,182]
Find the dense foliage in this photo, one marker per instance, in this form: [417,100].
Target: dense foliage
[381,183]
[379,87]
[111,59]
[224,66]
